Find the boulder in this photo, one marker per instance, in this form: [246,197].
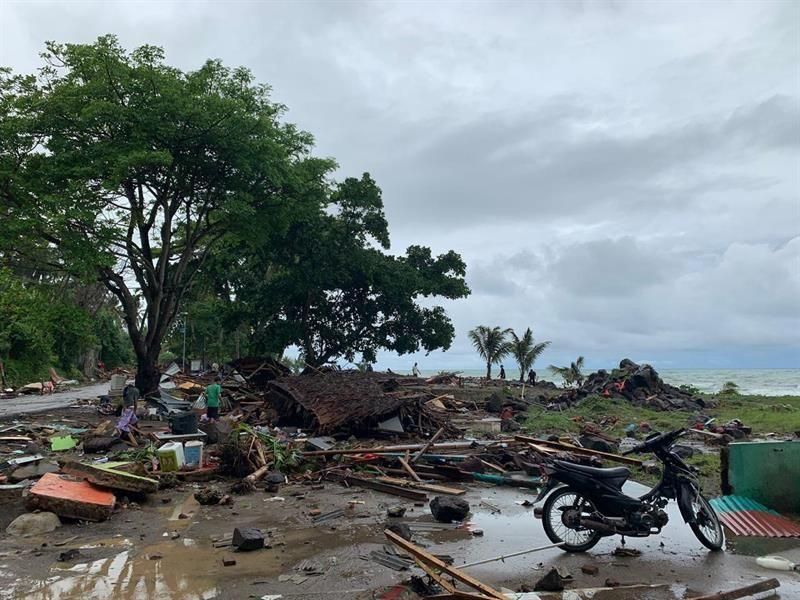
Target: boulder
[626,364]
[37,523]
[595,443]
[246,539]
[447,509]
[551,582]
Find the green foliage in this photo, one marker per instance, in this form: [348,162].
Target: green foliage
[26,339]
[491,343]
[130,170]
[525,351]
[573,374]
[729,388]
[326,285]
[110,333]
[42,325]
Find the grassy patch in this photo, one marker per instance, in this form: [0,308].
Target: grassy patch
[765,414]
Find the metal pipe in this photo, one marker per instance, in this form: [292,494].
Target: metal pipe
[505,556]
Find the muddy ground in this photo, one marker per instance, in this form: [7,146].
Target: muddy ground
[147,551]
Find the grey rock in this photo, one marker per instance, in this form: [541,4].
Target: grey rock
[246,539]
[447,509]
[37,523]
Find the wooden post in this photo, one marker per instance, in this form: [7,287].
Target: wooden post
[425,448]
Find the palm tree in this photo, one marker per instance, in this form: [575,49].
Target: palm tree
[729,388]
[572,373]
[491,344]
[525,351]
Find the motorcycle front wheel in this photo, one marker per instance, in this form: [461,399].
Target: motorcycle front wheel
[574,539]
[706,525]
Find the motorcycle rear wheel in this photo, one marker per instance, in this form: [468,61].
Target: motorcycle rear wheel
[574,540]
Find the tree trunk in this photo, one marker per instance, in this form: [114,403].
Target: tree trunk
[488,370]
[521,375]
[148,375]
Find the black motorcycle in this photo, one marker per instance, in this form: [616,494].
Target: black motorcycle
[587,503]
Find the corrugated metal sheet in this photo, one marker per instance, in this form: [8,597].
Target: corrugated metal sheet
[744,516]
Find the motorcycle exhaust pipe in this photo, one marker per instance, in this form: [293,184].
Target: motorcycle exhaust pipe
[598,525]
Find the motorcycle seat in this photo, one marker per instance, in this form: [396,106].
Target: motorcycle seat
[612,473]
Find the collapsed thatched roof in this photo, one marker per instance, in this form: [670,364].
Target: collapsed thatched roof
[333,400]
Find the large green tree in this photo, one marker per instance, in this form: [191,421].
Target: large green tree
[328,285]
[491,344]
[129,172]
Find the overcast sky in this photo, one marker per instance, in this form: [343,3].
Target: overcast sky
[624,178]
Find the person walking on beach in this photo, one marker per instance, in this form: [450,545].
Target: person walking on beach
[213,392]
[502,372]
[415,370]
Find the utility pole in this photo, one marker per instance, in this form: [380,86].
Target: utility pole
[183,315]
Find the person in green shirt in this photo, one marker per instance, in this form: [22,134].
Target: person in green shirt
[212,400]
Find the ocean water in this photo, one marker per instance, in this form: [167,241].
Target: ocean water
[765,382]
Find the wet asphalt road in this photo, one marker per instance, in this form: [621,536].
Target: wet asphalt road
[33,403]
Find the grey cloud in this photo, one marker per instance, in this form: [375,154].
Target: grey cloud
[624,177]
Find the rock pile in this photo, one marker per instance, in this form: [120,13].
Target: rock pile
[639,384]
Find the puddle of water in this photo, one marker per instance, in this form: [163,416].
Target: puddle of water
[182,574]
[189,568]
[189,506]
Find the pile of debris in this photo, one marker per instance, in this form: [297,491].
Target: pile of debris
[356,402]
[638,384]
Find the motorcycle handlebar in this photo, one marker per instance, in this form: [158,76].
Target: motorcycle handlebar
[658,440]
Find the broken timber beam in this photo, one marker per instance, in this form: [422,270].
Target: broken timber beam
[430,560]
[578,450]
[386,488]
[427,446]
[407,468]
[428,487]
[402,448]
[742,592]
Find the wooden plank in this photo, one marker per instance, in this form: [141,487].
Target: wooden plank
[457,595]
[492,466]
[578,450]
[386,488]
[443,583]
[407,468]
[428,487]
[742,592]
[427,446]
[432,561]
[402,448]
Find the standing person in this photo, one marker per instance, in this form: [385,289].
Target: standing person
[531,377]
[213,393]
[415,370]
[502,372]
